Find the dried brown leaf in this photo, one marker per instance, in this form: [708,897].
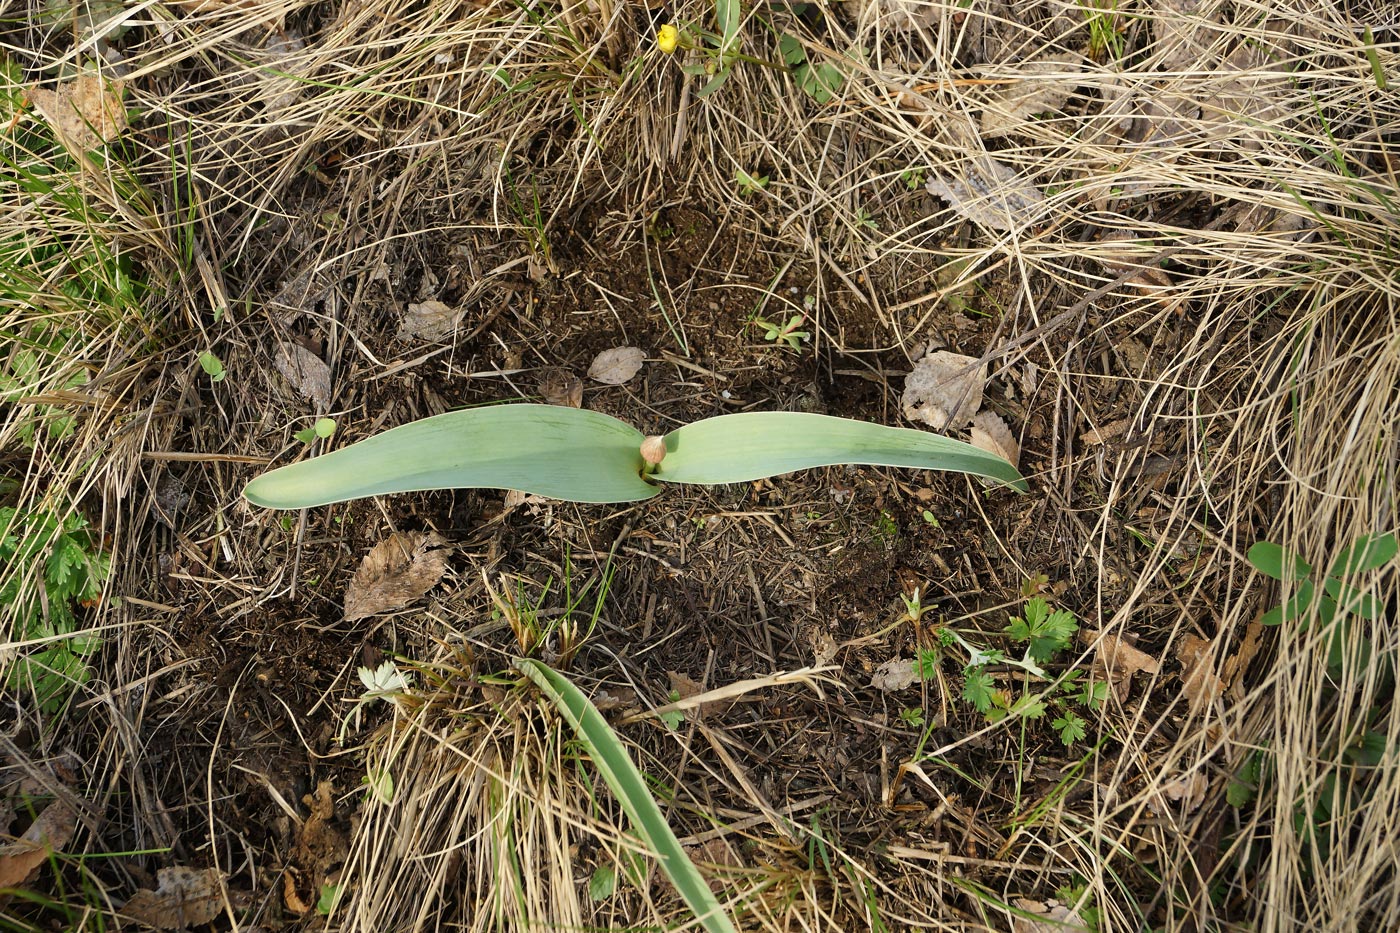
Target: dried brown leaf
[616,699]
[990,433]
[396,571]
[944,390]
[49,833]
[1106,433]
[561,387]
[1045,84]
[84,112]
[992,194]
[684,687]
[616,366]
[429,320]
[1117,660]
[1188,790]
[1199,680]
[306,372]
[185,897]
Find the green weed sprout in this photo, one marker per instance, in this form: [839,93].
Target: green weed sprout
[586,456]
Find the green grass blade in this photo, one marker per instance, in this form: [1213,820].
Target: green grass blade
[754,445]
[630,788]
[548,450]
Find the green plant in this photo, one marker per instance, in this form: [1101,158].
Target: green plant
[1334,604]
[330,893]
[786,333]
[821,82]
[1105,28]
[913,177]
[322,429]
[630,788]
[527,619]
[52,563]
[1046,634]
[912,716]
[1327,600]
[213,366]
[586,456]
[675,717]
[749,184]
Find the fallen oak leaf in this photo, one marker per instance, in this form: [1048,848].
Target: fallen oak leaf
[395,572]
[1117,660]
[944,390]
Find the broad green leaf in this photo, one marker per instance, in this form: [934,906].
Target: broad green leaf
[1272,561]
[759,444]
[1297,606]
[1350,598]
[548,450]
[1366,553]
[630,788]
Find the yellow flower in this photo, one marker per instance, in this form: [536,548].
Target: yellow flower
[667,38]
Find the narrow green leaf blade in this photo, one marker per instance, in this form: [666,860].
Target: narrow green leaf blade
[548,450]
[759,444]
[630,788]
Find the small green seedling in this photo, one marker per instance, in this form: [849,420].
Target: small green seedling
[821,82]
[912,716]
[784,333]
[913,178]
[212,366]
[322,429]
[1045,634]
[675,717]
[330,893]
[749,184]
[379,785]
[585,456]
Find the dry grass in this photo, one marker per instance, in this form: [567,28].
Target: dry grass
[287,151]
